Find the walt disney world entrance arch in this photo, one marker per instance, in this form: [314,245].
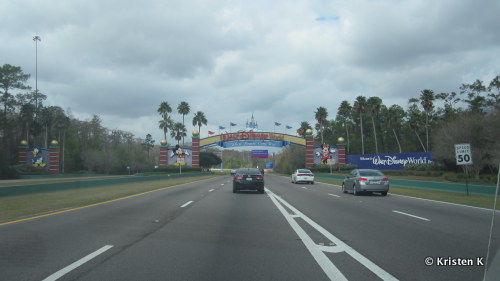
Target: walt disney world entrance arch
[257,139]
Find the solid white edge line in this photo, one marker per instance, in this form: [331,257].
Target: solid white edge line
[76,264]
[333,195]
[448,203]
[211,190]
[410,215]
[187,203]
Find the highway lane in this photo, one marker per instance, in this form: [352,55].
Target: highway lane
[398,241]
[202,231]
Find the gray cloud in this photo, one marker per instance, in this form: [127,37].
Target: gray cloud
[229,59]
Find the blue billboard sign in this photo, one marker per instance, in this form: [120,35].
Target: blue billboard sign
[259,154]
[389,161]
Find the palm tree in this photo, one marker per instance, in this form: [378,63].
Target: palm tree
[304,125]
[166,124]
[183,109]
[320,115]
[199,119]
[360,107]
[178,131]
[344,114]
[426,100]
[164,109]
[373,105]
[396,114]
[415,115]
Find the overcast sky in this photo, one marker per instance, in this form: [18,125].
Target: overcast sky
[279,60]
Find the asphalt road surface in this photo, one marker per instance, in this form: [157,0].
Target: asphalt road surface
[202,231]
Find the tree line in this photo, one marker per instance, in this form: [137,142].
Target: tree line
[86,145]
[431,122]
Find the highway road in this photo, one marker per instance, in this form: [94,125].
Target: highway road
[202,231]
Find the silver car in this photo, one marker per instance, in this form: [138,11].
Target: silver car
[365,181]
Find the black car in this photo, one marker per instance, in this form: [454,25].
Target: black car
[248,179]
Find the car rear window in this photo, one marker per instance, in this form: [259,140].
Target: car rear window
[305,171]
[249,171]
[370,174]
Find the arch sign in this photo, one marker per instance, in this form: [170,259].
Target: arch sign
[252,139]
[260,139]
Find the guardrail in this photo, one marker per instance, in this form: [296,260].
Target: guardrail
[14,190]
[487,190]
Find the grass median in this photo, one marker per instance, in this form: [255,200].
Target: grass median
[450,197]
[14,207]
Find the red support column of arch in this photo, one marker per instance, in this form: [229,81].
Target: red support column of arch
[54,159]
[164,154]
[309,151]
[342,157]
[22,156]
[195,157]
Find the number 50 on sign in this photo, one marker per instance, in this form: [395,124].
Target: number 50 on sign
[463,154]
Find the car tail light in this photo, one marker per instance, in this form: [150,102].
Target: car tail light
[238,177]
[259,177]
[302,175]
[362,179]
[385,179]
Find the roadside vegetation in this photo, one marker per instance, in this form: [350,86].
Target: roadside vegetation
[41,203]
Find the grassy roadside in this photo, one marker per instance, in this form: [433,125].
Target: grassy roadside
[35,204]
[450,197]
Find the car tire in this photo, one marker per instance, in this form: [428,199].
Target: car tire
[354,192]
[312,182]
[343,189]
[383,193]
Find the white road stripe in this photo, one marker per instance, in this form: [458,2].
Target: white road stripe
[333,195]
[318,251]
[76,264]
[187,203]
[211,190]
[417,217]
[304,187]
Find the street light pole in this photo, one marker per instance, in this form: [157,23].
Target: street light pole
[36,39]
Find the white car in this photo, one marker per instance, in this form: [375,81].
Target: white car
[303,175]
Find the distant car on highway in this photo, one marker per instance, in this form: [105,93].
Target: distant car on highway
[365,181]
[248,179]
[303,175]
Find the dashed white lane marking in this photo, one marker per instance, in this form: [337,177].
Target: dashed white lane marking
[318,251]
[211,190]
[334,195]
[410,215]
[76,264]
[187,203]
[304,187]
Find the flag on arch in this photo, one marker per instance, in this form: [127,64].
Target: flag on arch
[211,133]
[232,124]
[277,124]
[288,127]
[221,128]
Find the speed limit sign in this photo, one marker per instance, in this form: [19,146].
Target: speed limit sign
[463,154]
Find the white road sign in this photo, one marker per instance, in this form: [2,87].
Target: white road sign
[463,154]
